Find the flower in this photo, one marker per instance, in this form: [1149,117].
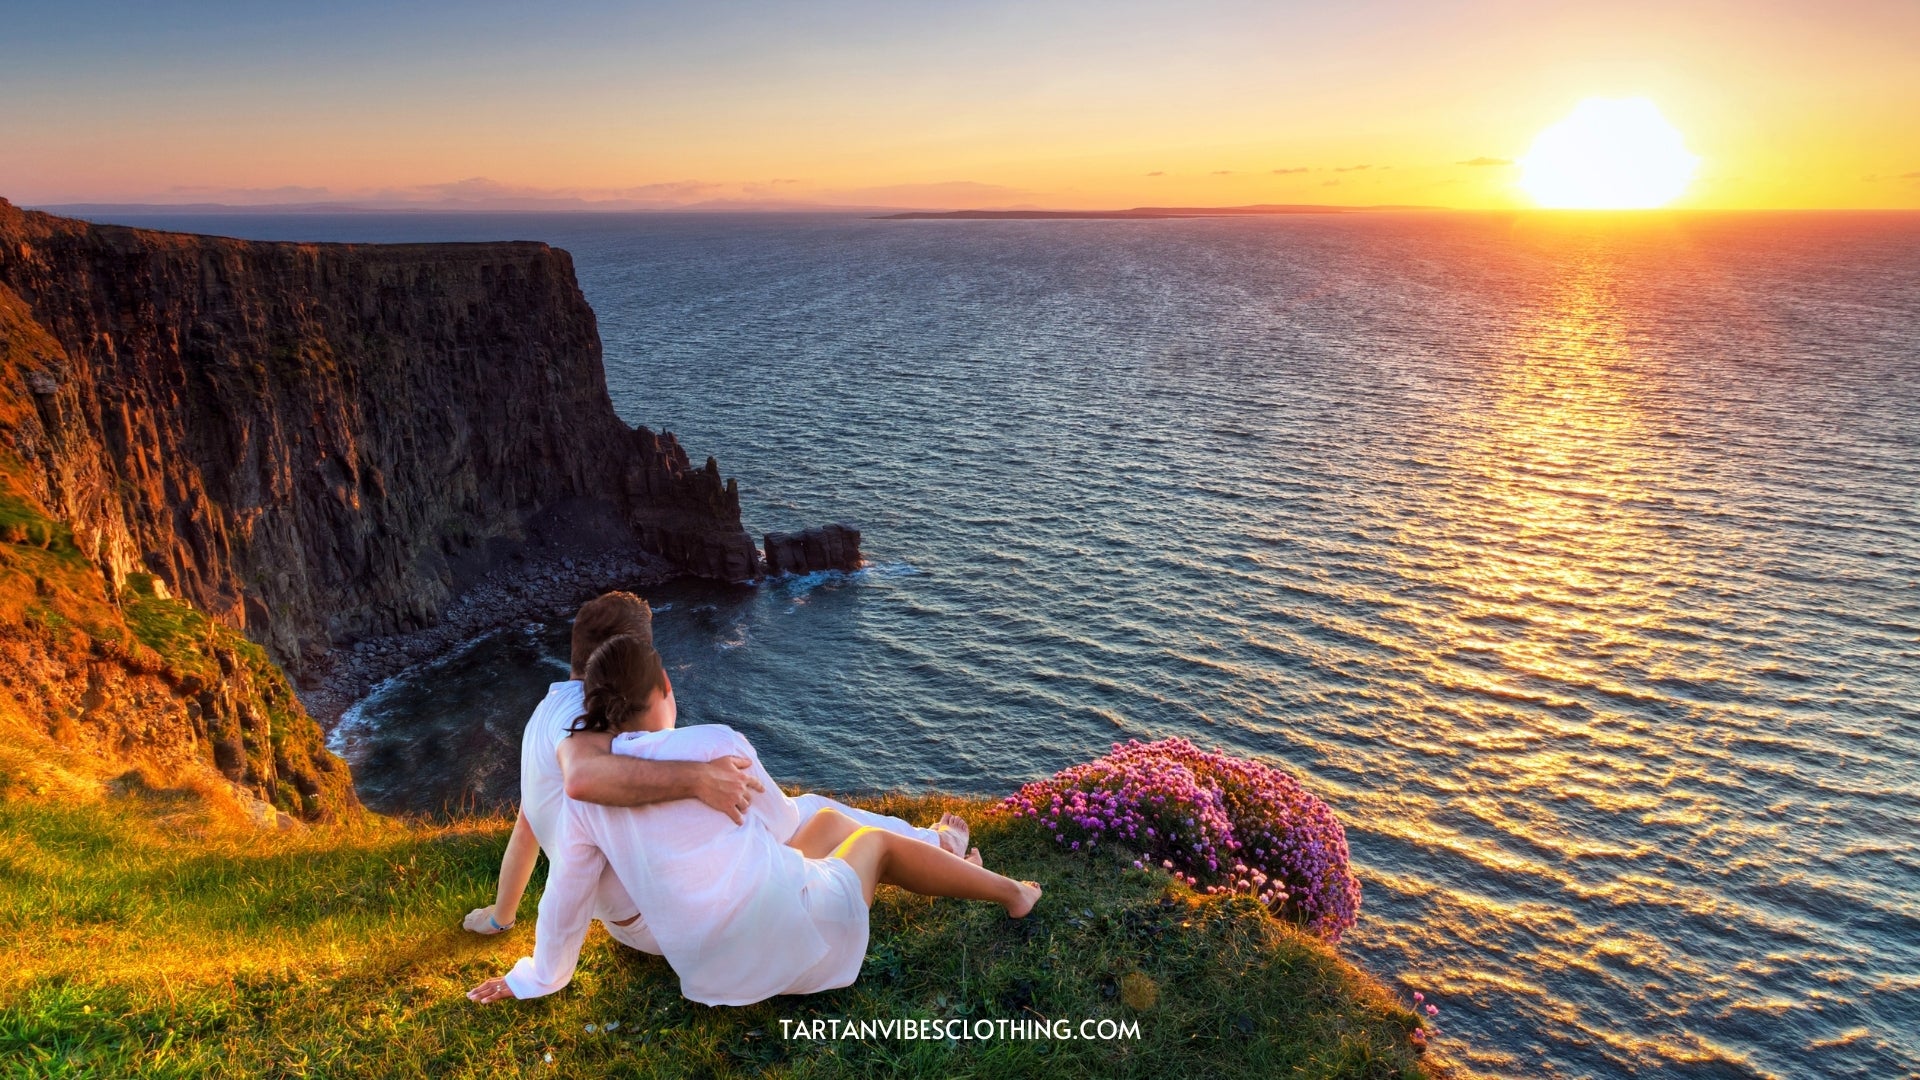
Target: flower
[1217,823]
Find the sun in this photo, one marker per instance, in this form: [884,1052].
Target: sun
[1608,154]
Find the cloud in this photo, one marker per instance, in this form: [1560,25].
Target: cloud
[1915,175]
[1353,168]
[484,193]
[243,196]
[766,187]
[1223,172]
[1486,161]
[1158,172]
[1283,172]
[1329,183]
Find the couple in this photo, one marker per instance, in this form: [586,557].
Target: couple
[683,846]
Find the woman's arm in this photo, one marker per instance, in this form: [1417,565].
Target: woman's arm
[516,869]
[566,910]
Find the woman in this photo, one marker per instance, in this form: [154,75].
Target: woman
[775,905]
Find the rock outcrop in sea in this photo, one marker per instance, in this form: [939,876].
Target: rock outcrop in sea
[828,547]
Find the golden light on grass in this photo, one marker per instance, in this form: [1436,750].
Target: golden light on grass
[1608,154]
[141,944]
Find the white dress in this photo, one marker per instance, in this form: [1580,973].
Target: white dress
[739,915]
[543,800]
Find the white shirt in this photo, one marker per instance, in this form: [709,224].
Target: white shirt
[543,799]
[723,900]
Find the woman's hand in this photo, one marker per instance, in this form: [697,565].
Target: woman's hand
[481,920]
[494,989]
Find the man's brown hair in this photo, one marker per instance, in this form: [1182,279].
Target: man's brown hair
[606,616]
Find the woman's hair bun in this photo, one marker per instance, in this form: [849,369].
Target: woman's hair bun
[621,677]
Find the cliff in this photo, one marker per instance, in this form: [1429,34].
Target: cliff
[221,458]
[315,443]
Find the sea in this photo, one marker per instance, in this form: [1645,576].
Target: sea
[1573,559]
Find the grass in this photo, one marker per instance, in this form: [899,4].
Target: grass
[144,939]
[60,627]
[171,628]
[46,583]
[22,523]
[192,644]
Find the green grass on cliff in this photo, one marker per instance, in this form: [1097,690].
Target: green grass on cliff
[168,627]
[191,643]
[22,523]
[45,582]
[141,941]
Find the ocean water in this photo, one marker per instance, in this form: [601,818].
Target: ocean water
[1574,560]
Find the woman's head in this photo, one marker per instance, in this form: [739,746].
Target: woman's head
[626,687]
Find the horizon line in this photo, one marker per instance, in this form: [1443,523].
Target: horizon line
[719,207]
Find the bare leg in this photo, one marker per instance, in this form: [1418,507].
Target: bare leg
[828,828]
[811,802]
[820,834]
[884,858]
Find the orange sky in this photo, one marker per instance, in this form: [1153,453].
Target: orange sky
[1045,104]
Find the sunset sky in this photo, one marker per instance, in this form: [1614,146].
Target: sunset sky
[1075,105]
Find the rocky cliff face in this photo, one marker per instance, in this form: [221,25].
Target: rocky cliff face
[100,676]
[314,443]
[221,458]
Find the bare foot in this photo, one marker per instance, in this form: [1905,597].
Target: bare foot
[953,832]
[1029,896]
[974,857]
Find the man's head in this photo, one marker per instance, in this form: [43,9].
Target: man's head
[606,616]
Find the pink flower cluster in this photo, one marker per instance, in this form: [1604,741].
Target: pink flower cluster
[1427,1027]
[1220,824]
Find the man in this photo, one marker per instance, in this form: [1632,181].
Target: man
[555,768]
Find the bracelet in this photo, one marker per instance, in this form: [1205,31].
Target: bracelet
[495,923]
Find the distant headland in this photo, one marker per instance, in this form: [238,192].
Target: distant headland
[110,211]
[1256,210]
